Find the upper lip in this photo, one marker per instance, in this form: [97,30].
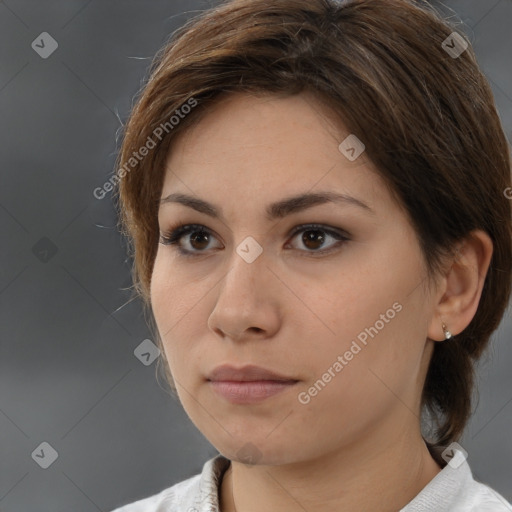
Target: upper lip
[245,374]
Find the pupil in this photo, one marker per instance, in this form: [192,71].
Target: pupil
[309,240]
[197,238]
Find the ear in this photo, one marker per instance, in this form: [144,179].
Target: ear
[461,285]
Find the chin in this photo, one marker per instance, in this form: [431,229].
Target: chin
[253,455]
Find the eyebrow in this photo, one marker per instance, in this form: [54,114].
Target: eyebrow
[277,210]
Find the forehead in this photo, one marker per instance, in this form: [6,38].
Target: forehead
[267,146]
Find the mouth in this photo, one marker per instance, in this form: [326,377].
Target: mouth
[247,373]
[248,384]
[250,392]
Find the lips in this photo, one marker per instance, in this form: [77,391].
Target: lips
[249,384]
[248,373]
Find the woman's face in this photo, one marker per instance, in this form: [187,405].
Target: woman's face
[342,307]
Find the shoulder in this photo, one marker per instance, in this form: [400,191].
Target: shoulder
[198,493]
[475,496]
[166,500]
[454,489]
[484,499]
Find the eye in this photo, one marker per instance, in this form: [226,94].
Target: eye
[198,242]
[314,237]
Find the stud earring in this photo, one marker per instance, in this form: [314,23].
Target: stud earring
[447,333]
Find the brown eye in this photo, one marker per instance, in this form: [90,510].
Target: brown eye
[195,239]
[199,240]
[315,237]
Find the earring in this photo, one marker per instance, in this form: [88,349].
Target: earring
[447,333]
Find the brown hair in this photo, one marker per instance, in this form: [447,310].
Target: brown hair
[427,119]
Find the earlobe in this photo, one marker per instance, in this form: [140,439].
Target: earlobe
[462,287]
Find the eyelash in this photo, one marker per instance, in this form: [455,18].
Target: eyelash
[173,236]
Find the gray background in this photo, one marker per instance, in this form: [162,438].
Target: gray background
[68,373]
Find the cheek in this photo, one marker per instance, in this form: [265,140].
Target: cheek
[178,305]
[167,309]
[377,329]
[352,385]
[173,294]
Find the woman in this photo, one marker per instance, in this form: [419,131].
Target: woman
[316,196]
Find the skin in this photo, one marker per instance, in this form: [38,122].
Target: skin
[294,312]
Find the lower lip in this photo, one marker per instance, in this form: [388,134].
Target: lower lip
[250,392]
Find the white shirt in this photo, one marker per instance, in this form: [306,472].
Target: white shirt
[453,489]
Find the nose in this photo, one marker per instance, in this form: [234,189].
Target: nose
[248,300]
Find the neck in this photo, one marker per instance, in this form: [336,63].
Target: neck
[370,476]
